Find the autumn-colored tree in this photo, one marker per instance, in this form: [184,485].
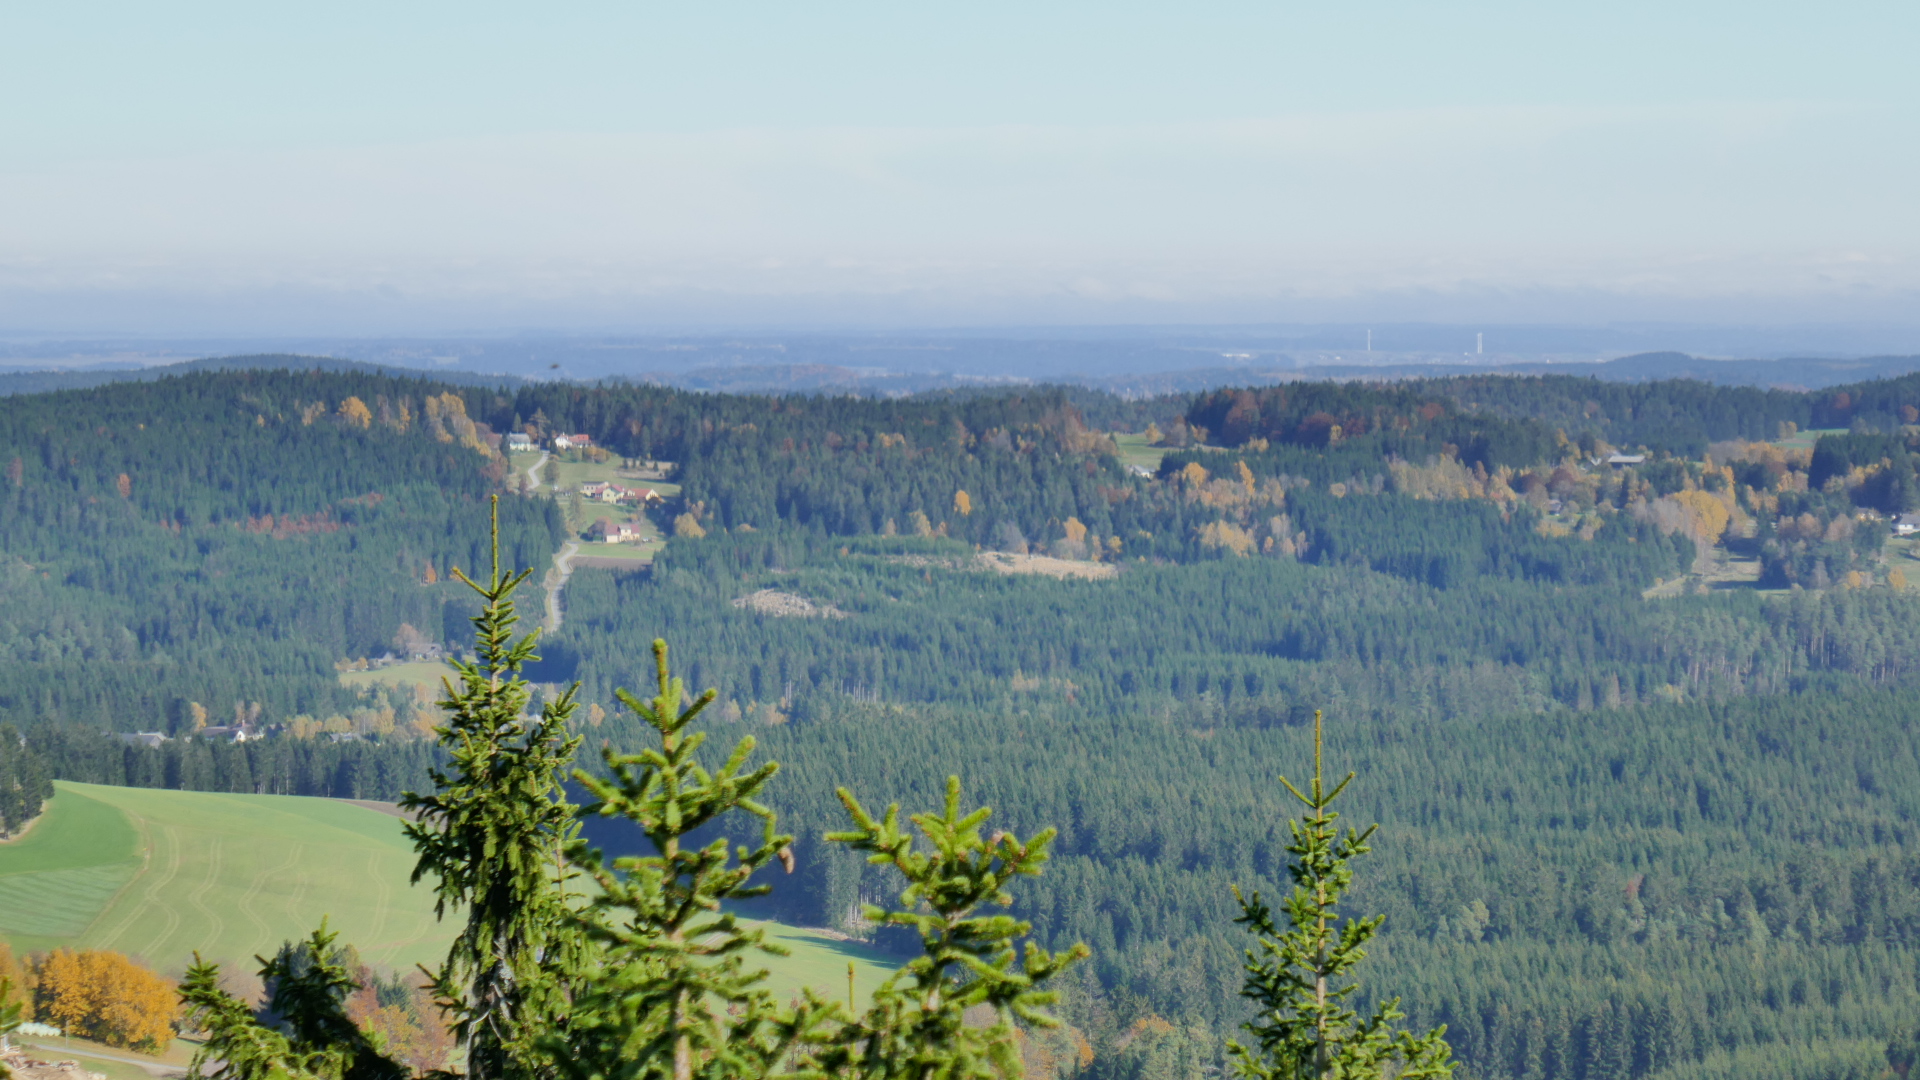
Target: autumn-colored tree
[962,503]
[354,412]
[17,977]
[1195,474]
[431,576]
[687,527]
[124,485]
[16,471]
[104,995]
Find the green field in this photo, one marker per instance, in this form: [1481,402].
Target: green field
[428,672]
[160,874]
[1135,451]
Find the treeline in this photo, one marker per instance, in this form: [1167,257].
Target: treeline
[26,780]
[278,765]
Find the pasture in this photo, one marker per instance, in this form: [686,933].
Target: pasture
[162,874]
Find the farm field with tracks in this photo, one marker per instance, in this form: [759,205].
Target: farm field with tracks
[162,874]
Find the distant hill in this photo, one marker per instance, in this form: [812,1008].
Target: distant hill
[41,382]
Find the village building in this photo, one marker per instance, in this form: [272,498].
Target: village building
[519,440]
[614,532]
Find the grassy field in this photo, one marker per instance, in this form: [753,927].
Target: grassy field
[424,671]
[161,874]
[1135,451]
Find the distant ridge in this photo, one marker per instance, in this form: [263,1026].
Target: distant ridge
[41,382]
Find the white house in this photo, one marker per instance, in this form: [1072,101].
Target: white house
[1906,524]
[519,440]
[615,532]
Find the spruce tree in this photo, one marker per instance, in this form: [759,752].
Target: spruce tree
[494,833]
[1304,1029]
[915,1028]
[310,1036]
[668,994]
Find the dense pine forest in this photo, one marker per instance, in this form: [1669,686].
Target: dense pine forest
[1627,671]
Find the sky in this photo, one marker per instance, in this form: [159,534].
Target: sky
[424,167]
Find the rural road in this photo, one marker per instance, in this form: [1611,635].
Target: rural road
[533,471]
[557,580]
[154,1067]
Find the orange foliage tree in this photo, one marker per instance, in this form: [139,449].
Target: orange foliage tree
[106,996]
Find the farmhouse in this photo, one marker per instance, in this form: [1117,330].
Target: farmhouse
[571,442]
[614,532]
[519,440]
[1906,524]
[596,489]
[617,493]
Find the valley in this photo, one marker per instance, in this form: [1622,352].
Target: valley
[1625,673]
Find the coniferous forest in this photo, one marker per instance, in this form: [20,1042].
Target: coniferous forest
[1627,672]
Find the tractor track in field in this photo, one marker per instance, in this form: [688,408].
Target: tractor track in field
[149,896]
[253,891]
[298,896]
[198,897]
[384,893]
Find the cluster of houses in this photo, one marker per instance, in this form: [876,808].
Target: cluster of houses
[238,733]
[607,491]
[520,440]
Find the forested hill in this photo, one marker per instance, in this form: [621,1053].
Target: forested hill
[44,382]
[1638,728]
[223,540]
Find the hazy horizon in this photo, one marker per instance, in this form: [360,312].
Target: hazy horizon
[437,170]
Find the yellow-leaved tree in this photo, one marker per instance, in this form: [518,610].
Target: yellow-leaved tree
[104,995]
[353,411]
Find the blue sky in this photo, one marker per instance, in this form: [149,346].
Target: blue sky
[439,167]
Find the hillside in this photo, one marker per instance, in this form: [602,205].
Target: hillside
[162,874]
[1627,670]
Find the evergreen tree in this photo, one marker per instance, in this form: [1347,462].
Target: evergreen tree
[668,993]
[311,1036]
[1304,1029]
[915,1028]
[494,833]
